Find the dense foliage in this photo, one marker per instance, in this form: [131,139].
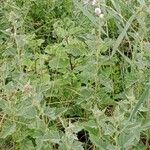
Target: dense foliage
[72,80]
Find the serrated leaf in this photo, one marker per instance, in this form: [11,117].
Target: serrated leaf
[27,145]
[56,63]
[28,112]
[52,135]
[54,112]
[8,129]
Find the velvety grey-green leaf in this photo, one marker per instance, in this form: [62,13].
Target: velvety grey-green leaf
[28,112]
[8,129]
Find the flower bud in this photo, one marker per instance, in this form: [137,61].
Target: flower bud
[98,11]
[93,2]
[101,15]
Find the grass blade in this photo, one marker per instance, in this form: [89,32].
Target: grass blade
[122,35]
[142,99]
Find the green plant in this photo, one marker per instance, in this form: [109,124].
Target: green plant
[72,78]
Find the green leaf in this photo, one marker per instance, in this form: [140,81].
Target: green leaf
[40,41]
[21,40]
[38,125]
[26,145]
[3,103]
[8,128]
[142,99]
[77,146]
[95,139]
[6,107]
[128,140]
[56,63]
[28,112]
[86,12]
[54,112]
[122,35]
[51,135]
